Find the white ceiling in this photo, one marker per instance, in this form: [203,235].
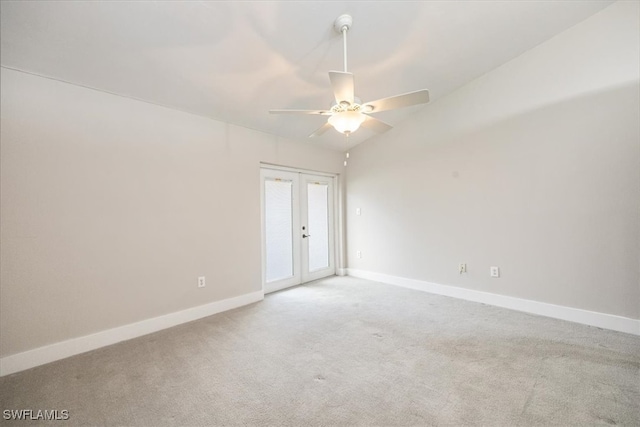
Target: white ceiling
[233,61]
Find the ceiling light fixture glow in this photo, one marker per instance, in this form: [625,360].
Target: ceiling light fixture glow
[347,121]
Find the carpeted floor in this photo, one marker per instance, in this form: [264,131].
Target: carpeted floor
[344,352]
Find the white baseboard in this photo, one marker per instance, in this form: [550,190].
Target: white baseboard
[341,271]
[60,350]
[592,318]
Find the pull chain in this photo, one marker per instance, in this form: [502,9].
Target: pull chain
[346,155]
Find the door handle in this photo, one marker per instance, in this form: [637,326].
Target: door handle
[306,235]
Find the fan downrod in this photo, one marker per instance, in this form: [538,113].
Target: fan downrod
[342,25]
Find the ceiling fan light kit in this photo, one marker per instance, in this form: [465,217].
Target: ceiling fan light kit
[348,112]
[347,121]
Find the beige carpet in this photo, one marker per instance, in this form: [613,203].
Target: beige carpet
[344,351]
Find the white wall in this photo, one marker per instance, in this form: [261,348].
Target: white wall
[534,167]
[111,208]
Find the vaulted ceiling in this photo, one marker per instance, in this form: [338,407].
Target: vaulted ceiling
[234,61]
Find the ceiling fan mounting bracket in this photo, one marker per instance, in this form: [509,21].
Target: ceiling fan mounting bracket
[342,22]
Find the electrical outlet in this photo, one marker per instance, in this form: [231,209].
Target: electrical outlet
[494,271]
[462,268]
[358,254]
[201,283]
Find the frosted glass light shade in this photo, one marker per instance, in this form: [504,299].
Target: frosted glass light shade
[346,121]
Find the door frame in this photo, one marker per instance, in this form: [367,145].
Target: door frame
[338,241]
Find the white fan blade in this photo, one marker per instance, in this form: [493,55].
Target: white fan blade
[375,125]
[322,112]
[325,127]
[398,101]
[342,84]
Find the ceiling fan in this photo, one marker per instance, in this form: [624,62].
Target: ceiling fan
[347,113]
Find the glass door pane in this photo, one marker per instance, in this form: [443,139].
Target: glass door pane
[278,195]
[318,222]
[318,259]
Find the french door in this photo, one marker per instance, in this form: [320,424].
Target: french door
[297,227]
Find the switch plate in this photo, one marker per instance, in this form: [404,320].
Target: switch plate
[494,271]
[201,282]
[358,211]
[358,254]
[462,268]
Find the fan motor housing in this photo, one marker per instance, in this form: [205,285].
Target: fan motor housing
[337,108]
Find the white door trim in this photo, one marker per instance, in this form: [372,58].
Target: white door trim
[295,170]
